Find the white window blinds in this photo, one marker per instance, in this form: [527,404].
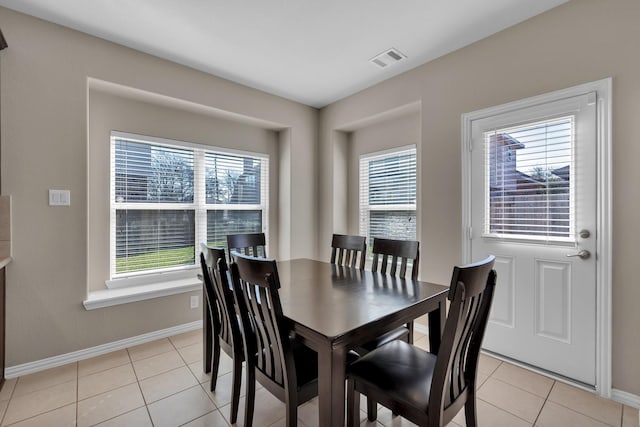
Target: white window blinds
[166,198]
[388,194]
[236,196]
[154,222]
[530,188]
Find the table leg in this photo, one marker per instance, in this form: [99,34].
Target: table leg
[437,319]
[331,382]
[207,339]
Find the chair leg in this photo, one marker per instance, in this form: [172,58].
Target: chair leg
[410,337]
[372,409]
[250,397]
[235,392]
[470,411]
[353,404]
[215,364]
[207,332]
[292,410]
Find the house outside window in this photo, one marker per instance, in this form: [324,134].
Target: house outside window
[168,196]
[388,194]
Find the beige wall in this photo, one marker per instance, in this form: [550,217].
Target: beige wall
[45,91]
[581,41]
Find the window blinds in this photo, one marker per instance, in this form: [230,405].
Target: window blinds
[388,194]
[167,198]
[161,236]
[530,188]
[236,196]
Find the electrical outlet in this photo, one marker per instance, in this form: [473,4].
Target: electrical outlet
[195,301]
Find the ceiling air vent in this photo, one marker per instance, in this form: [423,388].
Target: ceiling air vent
[388,57]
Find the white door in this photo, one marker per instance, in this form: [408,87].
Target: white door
[533,206]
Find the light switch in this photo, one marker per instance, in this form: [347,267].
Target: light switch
[59,198]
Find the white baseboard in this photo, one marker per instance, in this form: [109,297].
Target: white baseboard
[63,359]
[628,399]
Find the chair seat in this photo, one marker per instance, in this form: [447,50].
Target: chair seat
[401,369]
[401,333]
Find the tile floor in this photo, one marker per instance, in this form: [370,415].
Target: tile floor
[162,384]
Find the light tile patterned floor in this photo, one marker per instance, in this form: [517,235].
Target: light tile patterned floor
[162,384]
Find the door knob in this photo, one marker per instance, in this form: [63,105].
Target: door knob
[583,254]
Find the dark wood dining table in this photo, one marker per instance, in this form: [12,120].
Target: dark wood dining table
[333,309]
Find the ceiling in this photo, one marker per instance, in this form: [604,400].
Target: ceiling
[311,51]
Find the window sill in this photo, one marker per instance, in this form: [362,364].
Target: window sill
[117,296]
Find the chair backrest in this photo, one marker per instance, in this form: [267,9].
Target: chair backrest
[470,294]
[208,259]
[256,283]
[346,249]
[220,296]
[248,243]
[398,251]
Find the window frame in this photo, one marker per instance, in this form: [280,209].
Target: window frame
[199,206]
[364,206]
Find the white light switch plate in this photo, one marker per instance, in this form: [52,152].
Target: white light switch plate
[59,198]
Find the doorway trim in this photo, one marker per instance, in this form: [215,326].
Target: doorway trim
[603,89]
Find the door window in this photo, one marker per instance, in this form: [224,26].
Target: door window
[529,193]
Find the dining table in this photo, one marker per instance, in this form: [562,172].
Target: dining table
[334,309]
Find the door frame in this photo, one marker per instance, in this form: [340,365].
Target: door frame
[603,89]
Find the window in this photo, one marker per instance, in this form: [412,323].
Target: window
[388,194]
[529,173]
[167,197]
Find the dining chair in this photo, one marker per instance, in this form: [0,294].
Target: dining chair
[389,252]
[282,364]
[247,243]
[226,328]
[346,249]
[425,388]
[212,314]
